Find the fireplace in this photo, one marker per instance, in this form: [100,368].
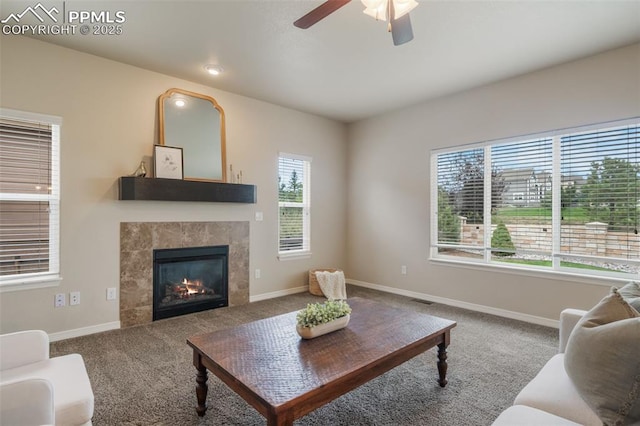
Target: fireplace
[190,279]
[138,240]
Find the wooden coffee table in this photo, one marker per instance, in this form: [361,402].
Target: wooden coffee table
[285,377]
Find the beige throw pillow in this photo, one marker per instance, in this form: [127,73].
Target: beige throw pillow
[631,294]
[603,360]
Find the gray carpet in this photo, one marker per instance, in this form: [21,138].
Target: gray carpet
[144,375]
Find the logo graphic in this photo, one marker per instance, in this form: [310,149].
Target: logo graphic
[70,22]
[34,11]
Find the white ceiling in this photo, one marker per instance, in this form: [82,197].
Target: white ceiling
[346,67]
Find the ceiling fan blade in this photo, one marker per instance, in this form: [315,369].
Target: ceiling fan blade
[319,13]
[401,30]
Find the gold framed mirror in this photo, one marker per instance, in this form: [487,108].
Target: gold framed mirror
[195,123]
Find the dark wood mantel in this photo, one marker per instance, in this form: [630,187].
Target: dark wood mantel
[156,189]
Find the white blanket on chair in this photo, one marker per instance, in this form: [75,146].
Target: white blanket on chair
[332,284]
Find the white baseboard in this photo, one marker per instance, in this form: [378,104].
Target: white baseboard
[280,293]
[459,304]
[84,331]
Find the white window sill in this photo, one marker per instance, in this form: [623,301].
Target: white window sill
[19,284]
[538,273]
[294,255]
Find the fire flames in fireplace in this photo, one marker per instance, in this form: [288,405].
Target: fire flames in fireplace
[186,290]
[189,279]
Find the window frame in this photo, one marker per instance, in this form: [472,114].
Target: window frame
[51,277]
[305,251]
[556,270]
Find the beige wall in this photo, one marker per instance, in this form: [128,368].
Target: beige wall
[388,178]
[109,125]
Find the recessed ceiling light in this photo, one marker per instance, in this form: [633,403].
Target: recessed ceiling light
[213,69]
[180,103]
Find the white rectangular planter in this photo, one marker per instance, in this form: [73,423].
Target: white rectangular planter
[319,330]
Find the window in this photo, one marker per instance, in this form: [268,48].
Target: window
[29,197]
[293,204]
[564,201]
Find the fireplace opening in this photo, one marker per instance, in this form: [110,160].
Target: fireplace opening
[187,280]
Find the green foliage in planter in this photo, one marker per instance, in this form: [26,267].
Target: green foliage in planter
[501,239]
[320,313]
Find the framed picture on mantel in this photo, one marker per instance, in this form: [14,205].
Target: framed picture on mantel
[167,162]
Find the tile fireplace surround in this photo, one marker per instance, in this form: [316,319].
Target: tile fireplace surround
[139,239]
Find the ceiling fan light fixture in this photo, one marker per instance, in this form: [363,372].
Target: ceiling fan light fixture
[402,7]
[377,9]
[394,12]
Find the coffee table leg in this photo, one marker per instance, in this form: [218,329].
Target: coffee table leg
[201,390]
[442,364]
[283,419]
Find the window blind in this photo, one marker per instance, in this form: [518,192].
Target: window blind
[293,197]
[460,200]
[521,188]
[29,198]
[601,188]
[565,200]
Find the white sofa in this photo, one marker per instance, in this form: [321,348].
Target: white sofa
[551,399]
[36,389]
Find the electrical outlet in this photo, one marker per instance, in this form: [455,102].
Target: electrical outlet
[60,300]
[111,293]
[257,273]
[259,216]
[74,298]
[403,269]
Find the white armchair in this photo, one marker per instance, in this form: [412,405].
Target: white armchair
[36,389]
[27,402]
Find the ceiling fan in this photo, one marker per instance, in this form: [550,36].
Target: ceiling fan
[395,12]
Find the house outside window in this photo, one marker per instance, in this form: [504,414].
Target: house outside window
[294,202]
[566,202]
[29,199]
